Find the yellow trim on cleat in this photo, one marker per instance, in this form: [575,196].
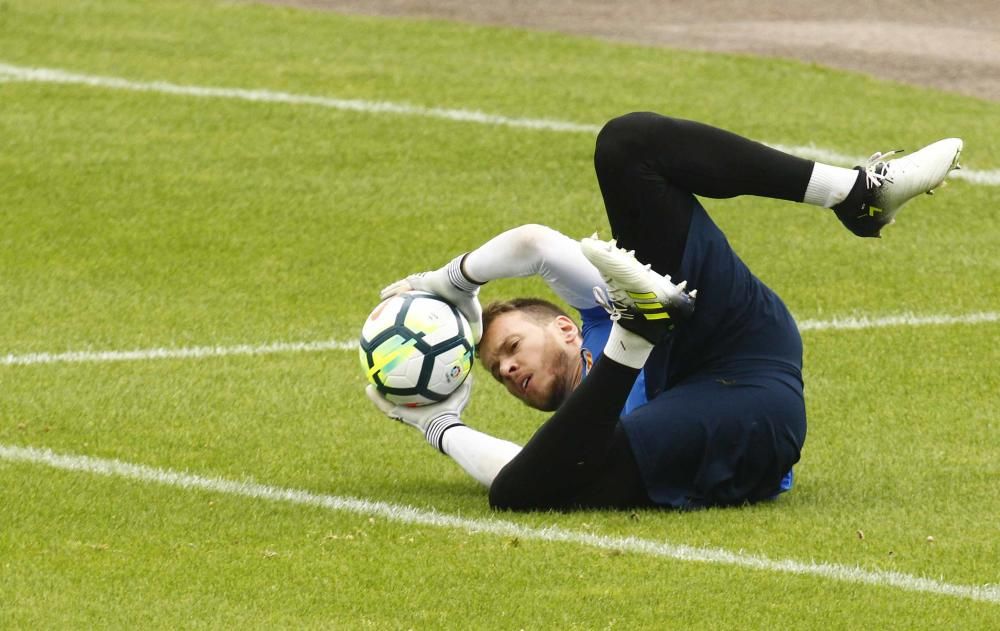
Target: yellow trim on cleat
[663,315]
[648,305]
[645,296]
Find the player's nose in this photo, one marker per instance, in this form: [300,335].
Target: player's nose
[508,367]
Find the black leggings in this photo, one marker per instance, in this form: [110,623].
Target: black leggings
[648,167]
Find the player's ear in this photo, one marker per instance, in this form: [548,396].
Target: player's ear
[569,330]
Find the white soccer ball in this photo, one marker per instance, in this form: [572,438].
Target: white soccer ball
[416,348]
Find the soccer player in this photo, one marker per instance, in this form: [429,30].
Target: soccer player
[674,395]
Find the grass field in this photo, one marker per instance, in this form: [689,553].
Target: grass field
[136,216]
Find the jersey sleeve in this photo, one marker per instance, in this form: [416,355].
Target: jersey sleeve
[537,250]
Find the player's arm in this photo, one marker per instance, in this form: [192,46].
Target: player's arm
[523,251]
[531,250]
[482,456]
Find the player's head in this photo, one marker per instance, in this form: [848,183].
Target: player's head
[533,348]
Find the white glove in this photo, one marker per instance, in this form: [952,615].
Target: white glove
[451,284]
[431,419]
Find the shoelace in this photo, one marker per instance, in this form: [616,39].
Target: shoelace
[616,310]
[877,168]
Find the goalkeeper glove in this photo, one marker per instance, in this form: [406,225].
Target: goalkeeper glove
[431,419]
[450,283]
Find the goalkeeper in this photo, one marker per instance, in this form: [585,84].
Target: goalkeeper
[674,395]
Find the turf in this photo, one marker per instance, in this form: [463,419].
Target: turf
[143,220]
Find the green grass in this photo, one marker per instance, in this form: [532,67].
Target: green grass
[137,220]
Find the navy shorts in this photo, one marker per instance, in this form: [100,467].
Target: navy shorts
[719,439]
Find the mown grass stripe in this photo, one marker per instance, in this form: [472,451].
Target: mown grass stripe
[10,72]
[410,515]
[200,352]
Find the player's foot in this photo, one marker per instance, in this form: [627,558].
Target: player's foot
[640,300]
[888,184]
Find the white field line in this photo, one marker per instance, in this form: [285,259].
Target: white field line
[54,75]
[200,352]
[197,352]
[409,515]
[902,319]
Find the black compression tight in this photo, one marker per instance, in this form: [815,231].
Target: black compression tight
[648,167]
[579,458]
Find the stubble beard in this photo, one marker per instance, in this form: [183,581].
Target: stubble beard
[561,386]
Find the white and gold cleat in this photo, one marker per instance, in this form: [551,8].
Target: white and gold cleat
[890,183]
[637,297]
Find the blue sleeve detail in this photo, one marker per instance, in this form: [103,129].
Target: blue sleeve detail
[595,330]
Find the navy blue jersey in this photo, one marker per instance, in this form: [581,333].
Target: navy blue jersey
[737,321]
[723,389]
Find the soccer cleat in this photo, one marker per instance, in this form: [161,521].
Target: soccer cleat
[639,299]
[891,183]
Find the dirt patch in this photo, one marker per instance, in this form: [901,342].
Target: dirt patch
[950,46]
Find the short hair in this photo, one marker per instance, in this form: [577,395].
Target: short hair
[541,311]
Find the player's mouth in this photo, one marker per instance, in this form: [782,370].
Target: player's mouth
[524,384]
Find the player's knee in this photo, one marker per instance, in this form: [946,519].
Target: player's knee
[501,496]
[507,493]
[624,140]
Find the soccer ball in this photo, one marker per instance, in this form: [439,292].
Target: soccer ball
[416,348]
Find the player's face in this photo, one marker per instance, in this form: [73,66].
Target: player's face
[538,363]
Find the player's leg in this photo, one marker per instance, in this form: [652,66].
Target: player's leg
[604,478]
[647,163]
[697,158]
[649,167]
[574,459]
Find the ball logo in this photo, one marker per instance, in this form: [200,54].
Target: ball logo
[378,311]
[454,373]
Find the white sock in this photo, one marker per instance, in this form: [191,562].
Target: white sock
[627,348]
[481,455]
[829,185]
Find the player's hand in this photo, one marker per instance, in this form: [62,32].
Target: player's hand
[422,416]
[438,282]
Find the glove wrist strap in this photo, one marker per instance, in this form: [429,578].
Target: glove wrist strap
[458,277]
[434,433]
